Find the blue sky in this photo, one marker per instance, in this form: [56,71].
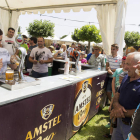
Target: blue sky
[64,27]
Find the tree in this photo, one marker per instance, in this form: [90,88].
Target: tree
[89,33]
[132,39]
[19,30]
[75,35]
[41,28]
[63,36]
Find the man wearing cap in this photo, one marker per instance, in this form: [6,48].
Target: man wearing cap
[97,58]
[51,48]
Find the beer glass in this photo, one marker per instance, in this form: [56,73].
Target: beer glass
[9,75]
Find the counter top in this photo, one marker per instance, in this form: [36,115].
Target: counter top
[84,65]
[47,84]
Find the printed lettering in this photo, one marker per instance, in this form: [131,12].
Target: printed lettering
[50,137]
[50,123]
[40,138]
[29,136]
[54,121]
[38,131]
[45,127]
[58,120]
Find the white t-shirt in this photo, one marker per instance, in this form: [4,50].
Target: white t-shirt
[7,43]
[40,54]
[5,59]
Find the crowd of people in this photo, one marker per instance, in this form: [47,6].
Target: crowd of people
[123,85]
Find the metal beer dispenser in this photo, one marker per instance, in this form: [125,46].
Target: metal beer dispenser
[23,80]
[19,40]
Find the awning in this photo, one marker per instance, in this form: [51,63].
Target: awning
[110,14]
[36,6]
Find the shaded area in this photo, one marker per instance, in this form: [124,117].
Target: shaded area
[95,128]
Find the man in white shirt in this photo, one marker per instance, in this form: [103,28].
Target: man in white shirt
[8,42]
[4,58]
[40,57]
[112,63]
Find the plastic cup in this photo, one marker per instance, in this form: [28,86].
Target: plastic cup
[9,75]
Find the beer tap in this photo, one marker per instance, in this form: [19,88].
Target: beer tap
[76,56]
[19,40]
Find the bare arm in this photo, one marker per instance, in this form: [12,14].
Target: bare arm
[118,110]
[108,69]
[116,99]
[132,137]
[107,66]
[113,85]
[59,58]
[129,113]
[31,59]
[17,52]
[50,60]
[12,66]
[56,54]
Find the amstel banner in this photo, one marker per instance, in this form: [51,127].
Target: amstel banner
[53,115]
[42,117]
[82,103]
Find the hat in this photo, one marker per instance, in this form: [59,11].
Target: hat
[124,58]
[82,52]
[52,47]
[97,47]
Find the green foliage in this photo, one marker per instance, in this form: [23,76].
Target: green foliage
[95,128]
[63,36]
[19,30]
[41,28]
[89,33]
[75,35]
[132,38]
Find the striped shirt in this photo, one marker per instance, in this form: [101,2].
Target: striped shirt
[114,62]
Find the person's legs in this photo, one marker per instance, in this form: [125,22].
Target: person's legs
[35,74]
[117,133]
[125,130]
[43,74]
[109,88]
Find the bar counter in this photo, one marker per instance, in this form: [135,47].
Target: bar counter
[55,109]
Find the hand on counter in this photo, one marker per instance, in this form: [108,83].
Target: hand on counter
[1,64]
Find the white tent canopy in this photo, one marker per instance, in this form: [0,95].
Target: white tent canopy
[67,38]
[110,14]
[26,33]
[55,38]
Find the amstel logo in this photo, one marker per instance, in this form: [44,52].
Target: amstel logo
[47,111]
[102,84]
[82,104]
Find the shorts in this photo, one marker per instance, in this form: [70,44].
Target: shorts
[109,85]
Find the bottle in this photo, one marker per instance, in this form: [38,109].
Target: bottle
[66,67]
[99,66]
[114,123]
[79,66]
